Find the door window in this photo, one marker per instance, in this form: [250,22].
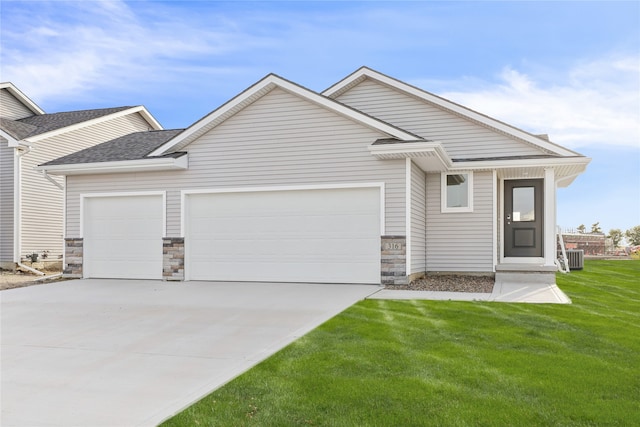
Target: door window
[524,204]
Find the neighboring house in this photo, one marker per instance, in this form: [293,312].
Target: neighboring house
[371,181]
[32,203]
[591,243]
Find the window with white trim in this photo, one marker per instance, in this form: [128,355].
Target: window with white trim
[457,192]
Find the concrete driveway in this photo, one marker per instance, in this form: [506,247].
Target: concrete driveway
[134,352]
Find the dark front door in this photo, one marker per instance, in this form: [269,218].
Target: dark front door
[523,218]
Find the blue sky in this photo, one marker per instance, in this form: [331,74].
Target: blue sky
[568,69]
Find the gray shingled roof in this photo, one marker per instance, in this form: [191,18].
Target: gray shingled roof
[16,129]
[134,146]
[47,122]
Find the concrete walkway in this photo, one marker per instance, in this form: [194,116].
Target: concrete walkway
[132,353]
[538,293]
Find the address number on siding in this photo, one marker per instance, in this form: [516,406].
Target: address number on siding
[393,246]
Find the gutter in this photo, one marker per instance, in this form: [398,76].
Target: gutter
[119,166]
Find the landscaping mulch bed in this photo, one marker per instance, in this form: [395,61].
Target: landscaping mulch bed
[449,283]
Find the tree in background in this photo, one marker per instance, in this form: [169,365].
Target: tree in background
[633,235]
[581,229]
[615,234]
[595,228]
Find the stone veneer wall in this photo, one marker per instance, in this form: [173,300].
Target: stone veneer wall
[73,254]
[173,258]
[393,269]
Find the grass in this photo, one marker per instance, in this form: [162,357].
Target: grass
[414,363]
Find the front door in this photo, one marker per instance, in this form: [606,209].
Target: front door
[523,227]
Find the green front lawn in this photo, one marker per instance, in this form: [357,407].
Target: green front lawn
[402,363]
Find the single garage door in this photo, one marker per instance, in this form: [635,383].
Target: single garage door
[123,237]
[323,236]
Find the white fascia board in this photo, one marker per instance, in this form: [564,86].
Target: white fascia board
[260,89]
[139,109]
[202,125]
[22,97]
[145,165]
[451,106]
[506,164]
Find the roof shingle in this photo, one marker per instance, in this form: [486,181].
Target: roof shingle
[16,129]
[134,146]
[48,122]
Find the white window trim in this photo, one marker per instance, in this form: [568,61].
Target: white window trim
[443,193]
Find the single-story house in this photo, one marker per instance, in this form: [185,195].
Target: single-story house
[32,202]
[371,181]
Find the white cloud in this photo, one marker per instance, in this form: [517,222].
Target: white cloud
[105,44]
[594,103]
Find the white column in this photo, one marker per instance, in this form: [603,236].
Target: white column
[549,217]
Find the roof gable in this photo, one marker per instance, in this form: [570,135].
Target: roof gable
[364,73]
[21,97]
[260,89]
[49,125]
[50,122]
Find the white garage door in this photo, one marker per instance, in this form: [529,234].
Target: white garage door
[324,236]
[123,237]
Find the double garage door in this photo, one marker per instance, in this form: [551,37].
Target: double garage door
[320,235]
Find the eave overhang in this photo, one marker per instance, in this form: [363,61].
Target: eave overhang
[566,169]
[11,141]
[431,156]
[123,166]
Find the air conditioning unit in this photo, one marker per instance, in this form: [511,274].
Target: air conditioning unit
[576,259]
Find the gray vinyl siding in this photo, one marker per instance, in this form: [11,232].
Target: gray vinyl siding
[418,220]
[460,137]
[42,202]
[11,108]
[6,202]
[461,242]
[279,140]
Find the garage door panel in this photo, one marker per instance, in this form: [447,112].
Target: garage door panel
[317,235]
[288,249]
[123,237]
[295,271]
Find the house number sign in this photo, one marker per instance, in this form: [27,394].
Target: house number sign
[393,246]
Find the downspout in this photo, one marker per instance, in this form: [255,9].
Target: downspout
[30,269]
[25,149]
[21,151]
[53,181]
